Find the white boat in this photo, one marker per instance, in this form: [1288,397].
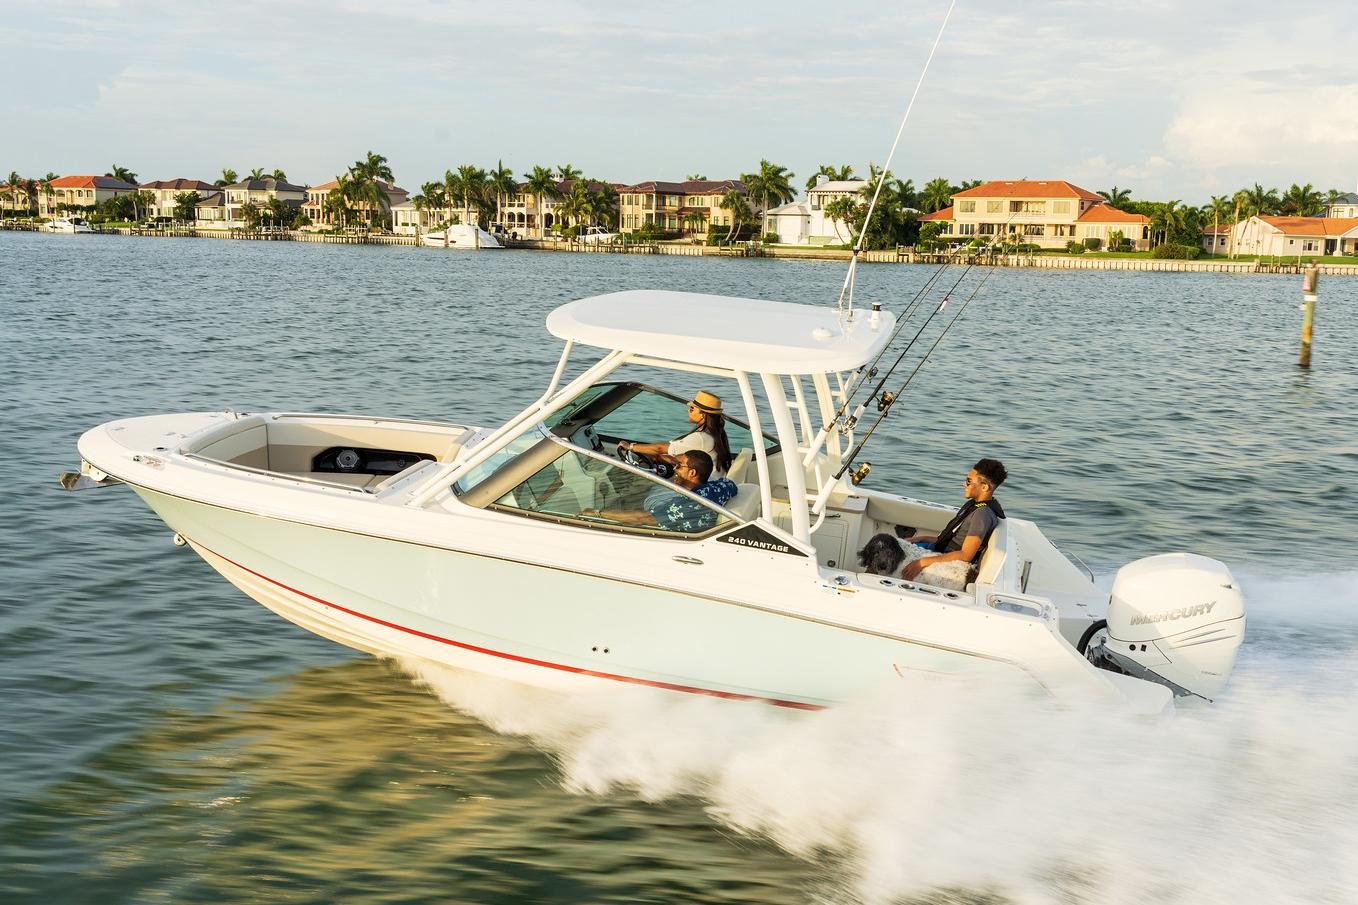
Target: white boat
[462,235]
[67,225]
[481,548]
[596,235]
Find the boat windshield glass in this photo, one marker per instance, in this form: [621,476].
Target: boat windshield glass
[599,493]
[635,411]
[511,451]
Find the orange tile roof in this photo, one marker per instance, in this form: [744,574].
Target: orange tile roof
[90,182]
[1312,226]
[1029,188]
[944,214]
[334,184]
[1104,213]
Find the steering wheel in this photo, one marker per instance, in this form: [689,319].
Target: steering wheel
[636,459]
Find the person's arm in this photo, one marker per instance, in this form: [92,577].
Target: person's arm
[654,450]
[922,539]
[622,516]
[970,547]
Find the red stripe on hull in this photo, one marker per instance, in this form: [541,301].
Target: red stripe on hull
[669,686]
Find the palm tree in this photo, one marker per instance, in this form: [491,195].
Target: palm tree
[501,181]
[734,201]
[1304,201]
[696,177]
[772,184]
[257,173]
[937,195]
[47,189]
[831,173]
[228,177]
[604,205]
[1219,206]
[122,173]
[279,174]
[694,220]
[542,184]
[1116,197]
[472,181]
[567,172]
[14,184]
[1260,201]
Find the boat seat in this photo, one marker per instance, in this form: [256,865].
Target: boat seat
[992,557]
[746,502]
[739,464]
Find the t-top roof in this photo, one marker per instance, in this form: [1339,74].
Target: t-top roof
[720,331]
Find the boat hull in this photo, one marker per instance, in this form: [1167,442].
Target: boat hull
[546,626]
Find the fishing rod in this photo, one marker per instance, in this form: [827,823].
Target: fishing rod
[884,406]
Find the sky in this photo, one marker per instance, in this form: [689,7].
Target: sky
[1170,99]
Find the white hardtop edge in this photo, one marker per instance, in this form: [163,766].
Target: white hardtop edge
[740,334]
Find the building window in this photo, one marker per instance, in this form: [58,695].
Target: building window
[1060,207]
[994,207]
[966,207]
[987,229]
[966,229]
[1033,229]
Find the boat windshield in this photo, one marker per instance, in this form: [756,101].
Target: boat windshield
[635,411]
[500,458]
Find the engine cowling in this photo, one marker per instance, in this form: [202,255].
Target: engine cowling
[1179,617]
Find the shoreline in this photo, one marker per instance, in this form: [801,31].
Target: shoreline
[885,256]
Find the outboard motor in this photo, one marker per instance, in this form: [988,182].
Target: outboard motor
[1176,619]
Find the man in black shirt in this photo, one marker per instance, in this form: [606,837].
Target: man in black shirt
[964,536]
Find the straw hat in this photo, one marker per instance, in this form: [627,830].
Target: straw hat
[707,402]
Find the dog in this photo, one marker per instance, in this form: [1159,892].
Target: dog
[882,555]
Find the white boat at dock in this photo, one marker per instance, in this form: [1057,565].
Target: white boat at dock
[69,225]
[462,236]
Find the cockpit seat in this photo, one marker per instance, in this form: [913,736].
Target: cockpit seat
[746,502]
[740,464]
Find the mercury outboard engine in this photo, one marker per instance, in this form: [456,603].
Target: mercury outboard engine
[1176,619]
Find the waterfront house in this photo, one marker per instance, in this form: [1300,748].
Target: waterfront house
[80,193]
[1343,206]
[210,211]
[804,222]
[1045,213]
[519,212]
[1216,240]
[667,204]
[314,203]
[261,192]
[17,201]
[1290,237]
[165,190]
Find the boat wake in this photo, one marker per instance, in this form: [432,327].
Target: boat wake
[929,786]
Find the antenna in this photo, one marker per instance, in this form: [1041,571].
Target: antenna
[848,288]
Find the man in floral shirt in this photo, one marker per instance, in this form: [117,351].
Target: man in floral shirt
[675,511]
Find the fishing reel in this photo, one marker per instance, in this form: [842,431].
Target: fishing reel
[860,474]
[884,401]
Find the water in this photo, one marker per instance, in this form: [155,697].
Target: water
[163,739]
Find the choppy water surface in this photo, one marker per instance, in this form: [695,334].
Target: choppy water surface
[164,739]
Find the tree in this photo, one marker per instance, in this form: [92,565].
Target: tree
[604,205]
[257,173]
[47,189]
[771,184]
[141,202]
[1259,201]
[937,195]
[472,181]
[734,201]
[696,177]
[566,171]
[1116,197]
[122,173]
[15,186]
[501,182]
[694,221]
[831,173]
[228,177]
[1303,200]
[280,175]
[252,213]
[844,210]
[186,205]
[365,186]
[541,183]
[338,202]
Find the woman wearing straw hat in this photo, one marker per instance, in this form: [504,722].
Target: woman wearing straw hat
[709,436]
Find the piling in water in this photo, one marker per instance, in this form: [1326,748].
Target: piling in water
[1309,281]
